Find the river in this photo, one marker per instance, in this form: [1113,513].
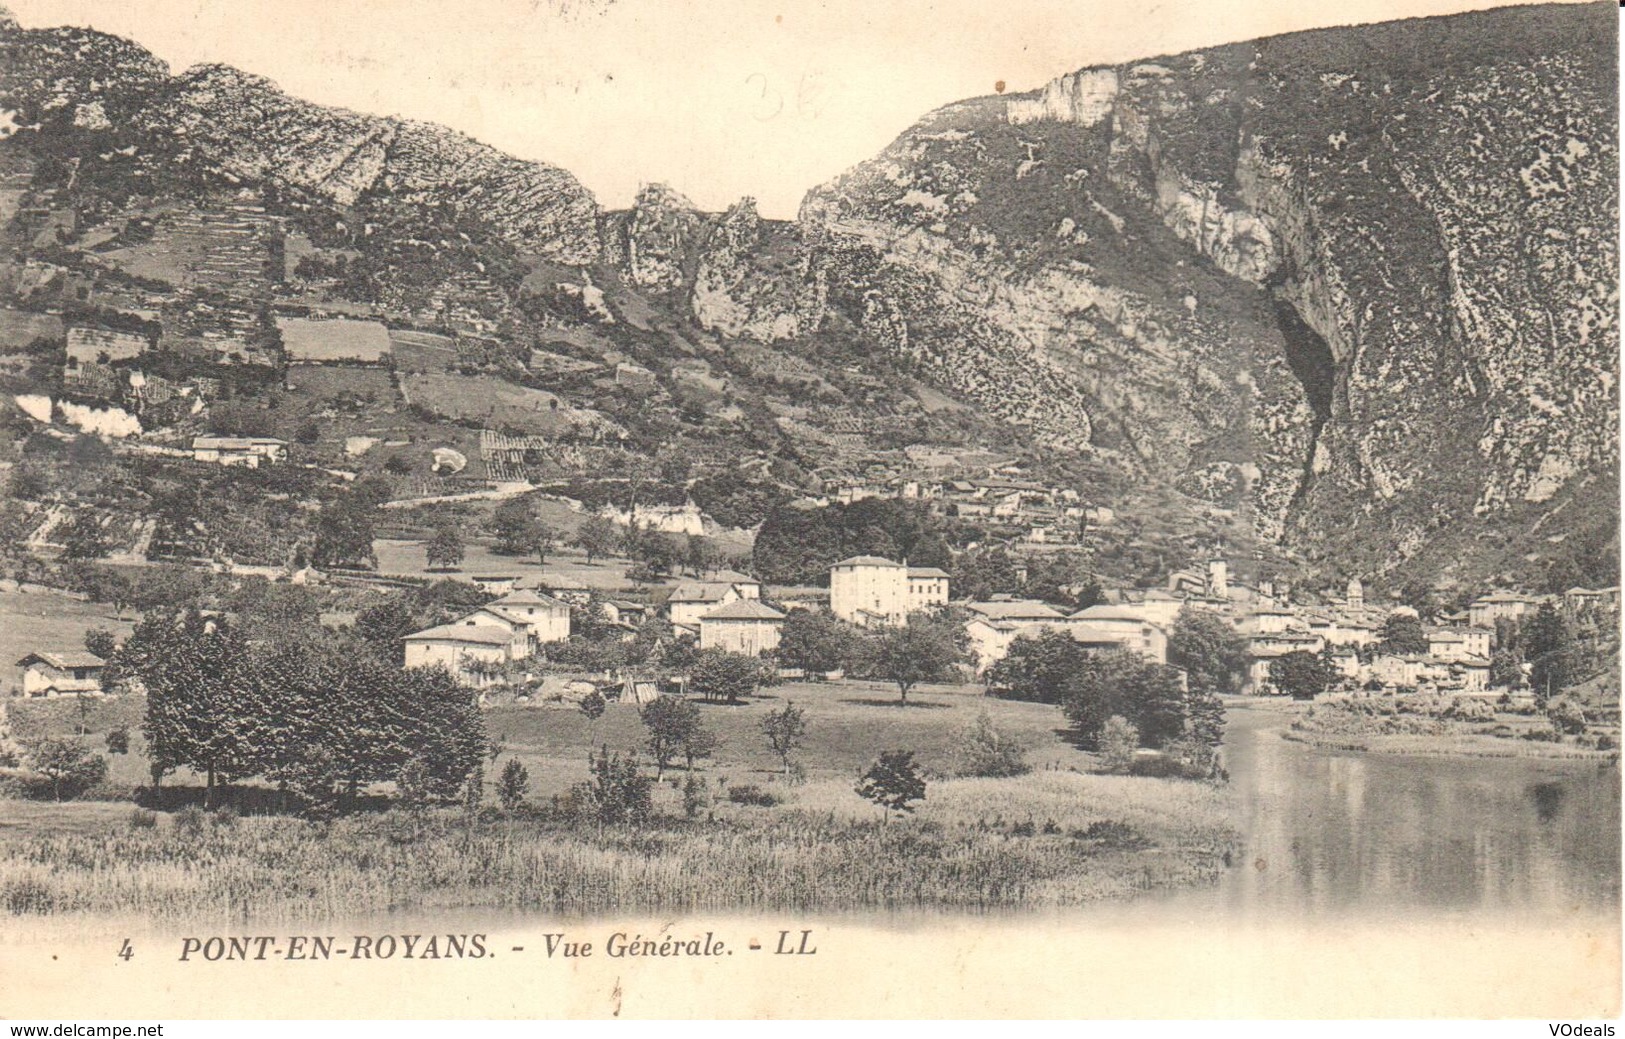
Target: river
[1329,833]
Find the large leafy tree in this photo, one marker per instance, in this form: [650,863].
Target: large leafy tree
[207,707]
[1213,657]
[730,677]
[675,730]
[344,533]
[1037,668]
[519,532]
[893,782]
[1302,675]
[816,642]
[445,549]
[598,537]
[1149,695]
[926,649]
[1403,633]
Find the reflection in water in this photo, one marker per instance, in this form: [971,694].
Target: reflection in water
[1548,799]
[1338,832]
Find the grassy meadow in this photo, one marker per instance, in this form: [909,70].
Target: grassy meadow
[1059,835]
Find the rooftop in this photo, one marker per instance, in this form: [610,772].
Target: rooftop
[867,561]
[69,659]
[476,634]
[525,597]
[743,610]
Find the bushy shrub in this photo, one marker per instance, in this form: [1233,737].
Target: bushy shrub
[986,750]
[1119,739]
[1566,716]
[751,794]
[1112,834]
[1470,709]
[696,798]
[189,821]
[224,817]
[142,819]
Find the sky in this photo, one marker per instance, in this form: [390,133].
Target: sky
[719,99]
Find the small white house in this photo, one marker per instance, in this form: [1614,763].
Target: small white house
[249,451]
[62,674]
[466,650]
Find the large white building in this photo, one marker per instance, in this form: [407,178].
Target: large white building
[873,591]
[1103,624]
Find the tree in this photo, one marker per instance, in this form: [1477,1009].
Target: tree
[101,642]
[729,677]
[384,624]
[344,534]
[445,549]
[68,764]
[816,642]
[598,537]
[1037,668]
[986,750]
[1302,675]
[785,730]
[893,782]
[1506,670]
[519,532]
[512,785]
[204,707]
[675,728]
[593,705]
[923,650]
[1403,634]
[618,792]
[1213,657]
[1148,695]
[84,537]
[1544,633]
[702,554]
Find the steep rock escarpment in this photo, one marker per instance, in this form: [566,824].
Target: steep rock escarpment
[1361,279]
[223,125]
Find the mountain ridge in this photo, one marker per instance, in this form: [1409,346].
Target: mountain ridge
[1343,281]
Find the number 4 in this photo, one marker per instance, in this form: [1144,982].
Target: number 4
[126,950]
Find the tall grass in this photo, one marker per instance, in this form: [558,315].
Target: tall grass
[967,850]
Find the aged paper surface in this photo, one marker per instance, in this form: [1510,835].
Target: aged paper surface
[1400,880]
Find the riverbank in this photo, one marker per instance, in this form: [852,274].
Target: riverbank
[1420,725]
[1044,840]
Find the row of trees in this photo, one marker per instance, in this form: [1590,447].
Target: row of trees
[319,716]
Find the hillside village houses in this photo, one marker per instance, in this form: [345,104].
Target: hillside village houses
[747,626]
[692,600]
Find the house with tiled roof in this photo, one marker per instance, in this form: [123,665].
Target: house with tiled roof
[62,674]
[746,626]
[473,649]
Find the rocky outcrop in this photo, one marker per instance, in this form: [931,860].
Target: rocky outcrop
[751,281]
[221,124]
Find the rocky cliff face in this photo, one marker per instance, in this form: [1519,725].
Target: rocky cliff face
[1360,280]
[216,122]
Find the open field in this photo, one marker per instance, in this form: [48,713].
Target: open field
[848,725]
[1057,836]
[46,621]
[565,568]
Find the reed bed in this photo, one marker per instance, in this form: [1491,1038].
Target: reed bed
[967,849]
